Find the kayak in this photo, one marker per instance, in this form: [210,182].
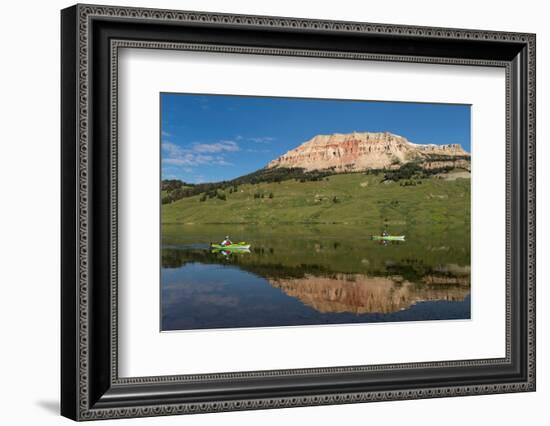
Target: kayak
[232,251]
[234,246]
[388,237]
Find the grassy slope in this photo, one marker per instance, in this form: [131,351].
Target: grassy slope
[362,199]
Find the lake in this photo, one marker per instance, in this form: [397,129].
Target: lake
[312,275]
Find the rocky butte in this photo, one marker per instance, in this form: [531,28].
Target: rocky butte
[366,150]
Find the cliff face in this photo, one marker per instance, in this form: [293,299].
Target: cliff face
[359,151]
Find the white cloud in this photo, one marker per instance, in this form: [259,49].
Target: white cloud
[259,150]
[189,159]
[171,149]
[174,155]
[199,179]
[220,161]
[203,103]
[262,139]
[221,146]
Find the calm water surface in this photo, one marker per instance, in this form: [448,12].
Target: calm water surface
[305,275]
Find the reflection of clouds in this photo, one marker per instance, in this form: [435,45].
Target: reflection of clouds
[218,300]
[194,287]
[199,296]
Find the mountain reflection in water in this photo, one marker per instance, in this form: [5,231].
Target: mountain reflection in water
[361,294]
[311,280]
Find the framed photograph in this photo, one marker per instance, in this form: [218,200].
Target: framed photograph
[263,212]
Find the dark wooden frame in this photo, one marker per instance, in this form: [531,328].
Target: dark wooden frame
[91,37]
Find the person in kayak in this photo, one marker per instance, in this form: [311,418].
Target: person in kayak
[385,233]
[226,241]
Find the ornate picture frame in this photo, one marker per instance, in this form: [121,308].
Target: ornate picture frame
[91,37]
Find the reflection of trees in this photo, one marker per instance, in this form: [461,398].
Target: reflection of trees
[408,269]
[174,258]
[394,288]
[415,270]
[336,249]
[171,258]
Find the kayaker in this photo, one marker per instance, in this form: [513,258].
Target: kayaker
[385,233]
[226,241]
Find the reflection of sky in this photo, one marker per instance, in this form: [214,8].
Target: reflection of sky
[213,138]
[197,295]
[220,296]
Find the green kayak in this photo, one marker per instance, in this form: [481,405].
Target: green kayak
[388,237]
[234,246]
[239,251]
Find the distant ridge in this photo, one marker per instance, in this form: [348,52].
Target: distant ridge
[360,151]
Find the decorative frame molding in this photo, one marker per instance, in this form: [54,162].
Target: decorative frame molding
[91,37]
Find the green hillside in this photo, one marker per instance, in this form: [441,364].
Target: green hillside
[354,198]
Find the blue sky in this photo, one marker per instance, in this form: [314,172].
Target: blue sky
[209,138]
